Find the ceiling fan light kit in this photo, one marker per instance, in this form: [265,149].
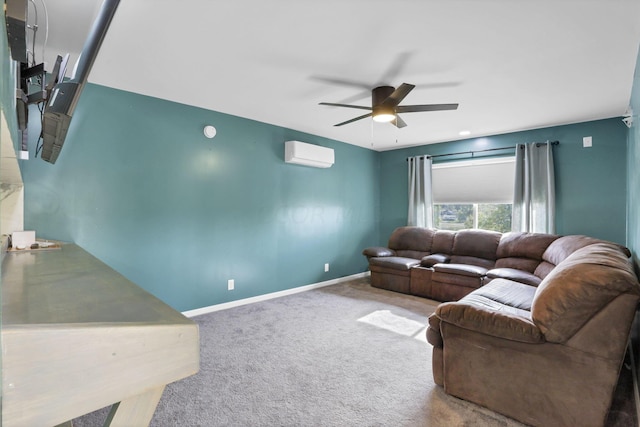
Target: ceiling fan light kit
[383,118]
[385,105]
[383,114]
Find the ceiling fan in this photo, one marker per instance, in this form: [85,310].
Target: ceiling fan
[385,105]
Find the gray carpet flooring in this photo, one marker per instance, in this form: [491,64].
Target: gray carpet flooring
[342,355]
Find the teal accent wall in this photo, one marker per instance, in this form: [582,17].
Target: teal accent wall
[633,168]
[138,185]
[591,185]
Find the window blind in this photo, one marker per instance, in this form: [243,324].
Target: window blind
[474,181]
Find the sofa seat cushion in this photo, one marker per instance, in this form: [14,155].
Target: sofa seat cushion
[461,269]
[394,262]
[498,309]
[510,294]
[579,287]
[515,275]
[376,251]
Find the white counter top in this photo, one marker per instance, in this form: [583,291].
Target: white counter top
[78,336]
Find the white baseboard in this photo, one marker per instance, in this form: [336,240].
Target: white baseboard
[237,303]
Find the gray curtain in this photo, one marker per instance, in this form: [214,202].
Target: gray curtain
[534,193]
[420,195]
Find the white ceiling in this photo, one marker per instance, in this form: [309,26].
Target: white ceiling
[510,64]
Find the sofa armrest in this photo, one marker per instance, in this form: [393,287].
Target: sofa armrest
[490,319]
[433,259]
[434,336]
[376,251]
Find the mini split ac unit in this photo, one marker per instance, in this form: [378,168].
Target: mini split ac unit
[301,153]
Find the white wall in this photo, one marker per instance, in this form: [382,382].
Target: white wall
[11,188]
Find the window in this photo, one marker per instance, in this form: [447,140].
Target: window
[473,194]
[488,216]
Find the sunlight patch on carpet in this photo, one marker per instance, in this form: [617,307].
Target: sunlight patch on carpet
[385,319]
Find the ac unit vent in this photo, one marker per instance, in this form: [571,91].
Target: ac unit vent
[301,153]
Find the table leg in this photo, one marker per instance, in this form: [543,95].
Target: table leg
[135,411]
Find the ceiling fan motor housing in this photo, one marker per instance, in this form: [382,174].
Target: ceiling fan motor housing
[381,112]
[379,94]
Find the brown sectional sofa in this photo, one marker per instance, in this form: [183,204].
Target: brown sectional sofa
[536,330]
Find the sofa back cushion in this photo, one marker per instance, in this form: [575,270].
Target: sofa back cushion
[522,251]
[475,247]
[579,287]
[443,242]
[411,242]
[564,246]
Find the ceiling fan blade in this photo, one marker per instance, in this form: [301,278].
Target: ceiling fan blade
[398,122]
[357,97]
[398,95]
[431,107]
[342,82]
[353,120]
[361,107]
[395,68]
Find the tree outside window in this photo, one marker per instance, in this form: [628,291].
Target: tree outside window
[487,216]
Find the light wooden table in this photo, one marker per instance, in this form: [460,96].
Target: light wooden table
[77,336]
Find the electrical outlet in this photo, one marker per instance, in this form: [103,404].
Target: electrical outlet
[231,284]
[326,267]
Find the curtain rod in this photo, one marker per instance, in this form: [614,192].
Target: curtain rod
[538,144]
